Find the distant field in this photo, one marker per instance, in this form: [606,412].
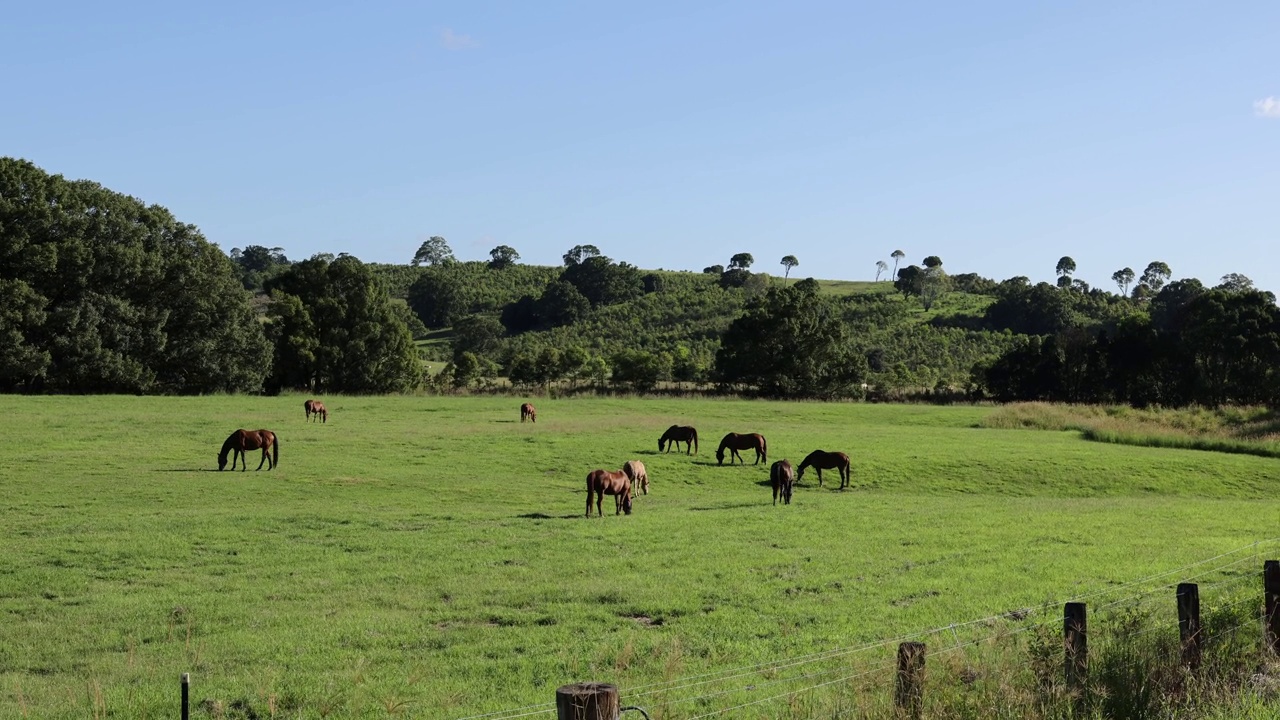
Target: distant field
[427,556]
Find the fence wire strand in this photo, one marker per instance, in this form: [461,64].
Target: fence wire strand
[1143,598]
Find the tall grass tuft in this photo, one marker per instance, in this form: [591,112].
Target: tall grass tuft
[1242,430]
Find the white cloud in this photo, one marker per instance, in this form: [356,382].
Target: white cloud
[1267,107]
[453,41]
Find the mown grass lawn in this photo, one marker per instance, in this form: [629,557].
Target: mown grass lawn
[428,557]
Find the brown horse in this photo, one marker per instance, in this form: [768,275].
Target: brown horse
[242,441]
[607,482]
[736,442]
[636,473]
[528,413]
[822,460]
[315,407]
[783,476]
[679,434]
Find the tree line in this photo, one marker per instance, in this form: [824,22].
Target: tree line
[102,293]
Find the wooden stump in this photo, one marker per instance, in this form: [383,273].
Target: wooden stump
[587,701]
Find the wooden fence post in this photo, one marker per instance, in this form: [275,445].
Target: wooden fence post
[1271,591]
[909,697]
[587,701]
[1075,635]
[1189,623]
[186,694]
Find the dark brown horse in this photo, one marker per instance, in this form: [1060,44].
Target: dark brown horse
[736,442]
[528,413]
[637,474]
[679,434]
[316,408]
[822,460]
[607,482]
[783,476]
[242,441]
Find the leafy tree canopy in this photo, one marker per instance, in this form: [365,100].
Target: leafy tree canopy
[101,293]
[433,251]
[790,343]
[337,330]
[503,256]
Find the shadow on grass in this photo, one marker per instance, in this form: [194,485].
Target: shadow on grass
[731,506]
[544,516]
[186,470]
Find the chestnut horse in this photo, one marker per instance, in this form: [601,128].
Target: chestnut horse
[822,460]
[607,482]
[736,442]
[242,441]
[636,473]
[783,476]
[528,413]
[315,407]
[679,434]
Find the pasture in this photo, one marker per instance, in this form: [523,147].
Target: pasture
[427,557]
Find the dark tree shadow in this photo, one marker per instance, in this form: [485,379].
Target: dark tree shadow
[544,516]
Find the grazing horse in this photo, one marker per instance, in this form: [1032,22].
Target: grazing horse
[244,440]
[608,482]
[822,460]
[679,434]
[636,473]
[736,442]
[528,413]
[783,476]
[315,407]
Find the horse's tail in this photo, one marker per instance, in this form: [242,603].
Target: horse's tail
[695,440]
[275,450]
[764,452]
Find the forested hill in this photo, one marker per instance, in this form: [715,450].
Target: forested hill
[102,293]
[927,333]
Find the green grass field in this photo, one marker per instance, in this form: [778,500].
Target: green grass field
[427,557]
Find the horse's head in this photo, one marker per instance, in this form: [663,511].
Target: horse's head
[626,503]
[720,456]
[222,461]
[662,442]
[800,475]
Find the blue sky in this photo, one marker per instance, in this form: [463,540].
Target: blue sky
[999,136]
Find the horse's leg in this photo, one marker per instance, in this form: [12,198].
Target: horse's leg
[815,467]
[264,457]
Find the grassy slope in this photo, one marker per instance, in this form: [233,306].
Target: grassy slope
[431,550]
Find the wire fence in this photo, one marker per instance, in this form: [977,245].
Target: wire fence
[1124,618]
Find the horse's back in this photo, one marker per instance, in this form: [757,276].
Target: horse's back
[634,469]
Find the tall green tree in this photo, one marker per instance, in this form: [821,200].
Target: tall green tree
[578,253]
[604,282]
[257,264]
[897,255]
[1065,267]
[788,262]
[433,251]
[1122,278]
[881,267]
[790,343]
[101,293]
[503,256]
[741,261]
[336,330]
[1155,276]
